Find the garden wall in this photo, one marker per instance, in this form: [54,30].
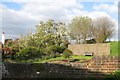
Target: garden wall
[97,67]
[96,49]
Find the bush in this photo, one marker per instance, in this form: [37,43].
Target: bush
[60,49]
[114,76]
[67,53]
[28,53]
[51,49]
[55,49]
[117,74]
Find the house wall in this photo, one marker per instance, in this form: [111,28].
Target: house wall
[97,49]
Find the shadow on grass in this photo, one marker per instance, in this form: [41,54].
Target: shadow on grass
[48,71]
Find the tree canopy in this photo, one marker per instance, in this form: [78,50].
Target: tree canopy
[83,28]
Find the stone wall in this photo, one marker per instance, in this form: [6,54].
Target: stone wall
[96,49]
[104,64]
[97,67]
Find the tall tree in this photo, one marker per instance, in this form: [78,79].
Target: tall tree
[103,29]
[80,28]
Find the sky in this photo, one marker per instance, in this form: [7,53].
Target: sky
[20,16]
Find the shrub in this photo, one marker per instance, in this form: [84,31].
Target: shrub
[51,49]
[67,53]
[66,43]
[55,49]
[117,74]
[28,53]
[114,76]
[60,49]
[7,51]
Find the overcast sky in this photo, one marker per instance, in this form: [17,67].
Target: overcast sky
[20,17]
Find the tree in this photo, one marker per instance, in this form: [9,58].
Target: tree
[47,34]
[80,28]
[103,28]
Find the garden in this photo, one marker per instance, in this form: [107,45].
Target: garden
[50,41]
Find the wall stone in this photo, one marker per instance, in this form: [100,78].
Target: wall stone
[97,49]
[97,67]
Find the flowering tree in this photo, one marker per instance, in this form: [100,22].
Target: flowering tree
[47,33]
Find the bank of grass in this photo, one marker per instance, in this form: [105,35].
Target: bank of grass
[38,60]
[114,48]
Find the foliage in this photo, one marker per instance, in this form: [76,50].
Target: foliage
[55,49]
[51,49]
[114,76]
[6,52]
[117,74]
[29,52]
[66,43]
[53,37]
[67,53]
[60,49]
[80,28]
[47,34]
[103,29]
[8,43]
[15,46]
[100,29]
[10,48]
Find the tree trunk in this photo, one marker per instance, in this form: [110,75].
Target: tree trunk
[85,40]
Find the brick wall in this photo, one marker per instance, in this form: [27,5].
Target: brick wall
[97,49]
[104,64]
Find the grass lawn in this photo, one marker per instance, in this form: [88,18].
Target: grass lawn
[114,48]
[61,58]
[81,57]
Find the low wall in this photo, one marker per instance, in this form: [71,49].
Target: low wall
[97,67]
[97,49]
[104,64]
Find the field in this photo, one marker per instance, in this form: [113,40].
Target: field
[114,48]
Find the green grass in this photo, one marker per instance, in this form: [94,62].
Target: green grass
[62,58]
[114,47]
[52,59]
[81,57]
